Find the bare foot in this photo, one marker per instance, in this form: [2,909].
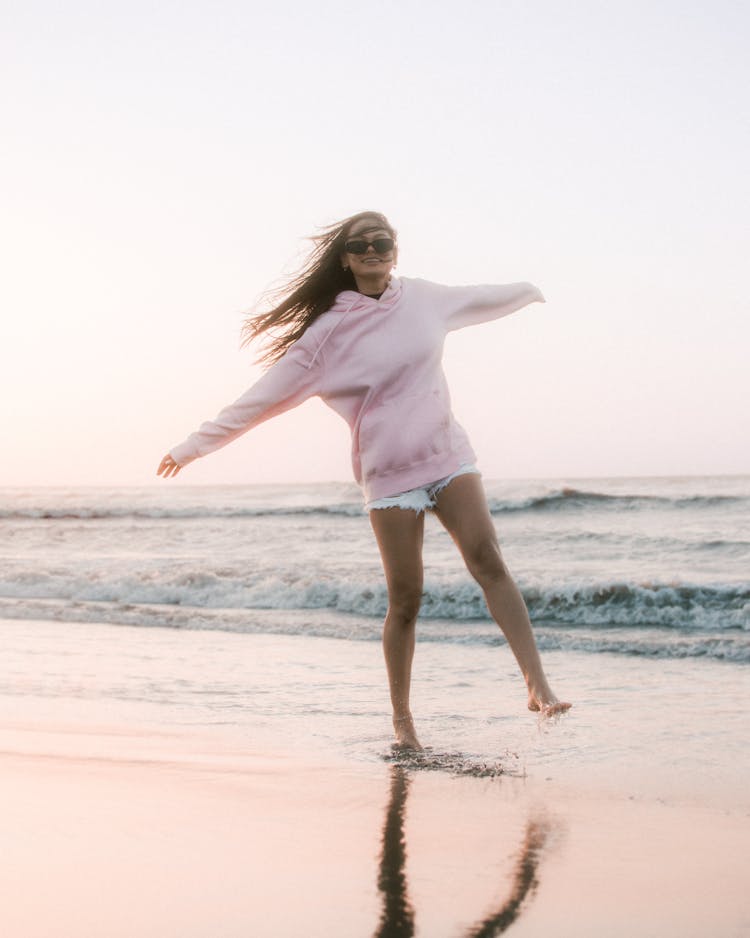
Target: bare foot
[547,704]
[406,735]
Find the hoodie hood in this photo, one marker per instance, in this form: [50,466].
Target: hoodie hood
[350,300]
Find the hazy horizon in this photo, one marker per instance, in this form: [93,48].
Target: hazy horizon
[322,482]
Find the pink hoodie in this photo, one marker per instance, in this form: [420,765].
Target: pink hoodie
[377,363]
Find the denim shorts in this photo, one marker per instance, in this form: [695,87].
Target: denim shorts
[422,498]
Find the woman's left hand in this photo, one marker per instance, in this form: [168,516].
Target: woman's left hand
[168,467]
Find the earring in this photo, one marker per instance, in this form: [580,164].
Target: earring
[344,268]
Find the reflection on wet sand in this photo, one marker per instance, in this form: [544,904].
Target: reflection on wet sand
[397,916]
[525,881]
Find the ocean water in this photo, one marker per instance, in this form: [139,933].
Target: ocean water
[656,567]
[254,614]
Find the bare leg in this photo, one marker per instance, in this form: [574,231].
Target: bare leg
[400,533]
[462,508]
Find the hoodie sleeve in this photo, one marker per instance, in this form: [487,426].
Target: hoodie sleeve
[468,306]
[287,383]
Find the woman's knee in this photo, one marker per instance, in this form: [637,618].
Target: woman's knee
[404,603]
[485,563]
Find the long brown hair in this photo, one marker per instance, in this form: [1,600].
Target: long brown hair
[309,293]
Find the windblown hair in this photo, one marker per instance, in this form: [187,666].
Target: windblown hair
[310,292]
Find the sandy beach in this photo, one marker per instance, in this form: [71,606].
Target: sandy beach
[107,831]
[120,821]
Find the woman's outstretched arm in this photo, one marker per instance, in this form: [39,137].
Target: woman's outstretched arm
[285,385]
[468,306]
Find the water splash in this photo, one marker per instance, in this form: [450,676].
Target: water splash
[453,763]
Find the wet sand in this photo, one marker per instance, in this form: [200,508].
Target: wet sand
[113,830]
[158,782]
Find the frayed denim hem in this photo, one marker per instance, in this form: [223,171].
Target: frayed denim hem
[422,498]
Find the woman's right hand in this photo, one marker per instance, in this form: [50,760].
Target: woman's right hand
[168,467]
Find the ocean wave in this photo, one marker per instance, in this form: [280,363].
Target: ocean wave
[652,643]
[567,498]
[681,606]
[647,604]
[168,512]
[564,498]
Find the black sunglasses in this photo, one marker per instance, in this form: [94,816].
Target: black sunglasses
[381,245]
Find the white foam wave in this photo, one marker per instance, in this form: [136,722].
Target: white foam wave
[679,606]
[326,623]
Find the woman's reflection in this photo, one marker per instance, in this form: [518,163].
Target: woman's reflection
[525,881]
[397,917]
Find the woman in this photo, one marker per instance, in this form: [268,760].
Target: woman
[370,345]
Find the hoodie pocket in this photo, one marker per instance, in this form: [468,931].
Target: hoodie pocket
[402,433]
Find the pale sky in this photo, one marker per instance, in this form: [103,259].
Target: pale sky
[163,163]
